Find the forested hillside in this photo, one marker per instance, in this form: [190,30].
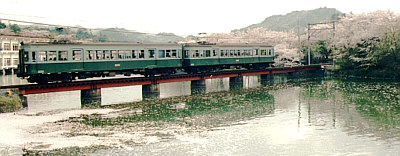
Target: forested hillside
[292,20]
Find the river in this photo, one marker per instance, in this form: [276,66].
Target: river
[311,117]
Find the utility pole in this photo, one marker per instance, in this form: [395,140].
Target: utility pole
[309,58]
[309,36]
[298,37]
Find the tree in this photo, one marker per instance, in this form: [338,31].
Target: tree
[15,28]
[83,34]
[2,25]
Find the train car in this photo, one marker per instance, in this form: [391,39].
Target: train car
[206,57]
[49,62]
[53,62]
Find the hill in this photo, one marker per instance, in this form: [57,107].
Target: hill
[123,35]
[290,21]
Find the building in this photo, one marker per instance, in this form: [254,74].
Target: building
[9,47]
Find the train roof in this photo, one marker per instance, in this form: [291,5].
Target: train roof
[198,44]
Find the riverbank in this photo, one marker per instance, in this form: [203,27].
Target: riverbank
[9,101]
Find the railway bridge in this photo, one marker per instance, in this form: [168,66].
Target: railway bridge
[90,89]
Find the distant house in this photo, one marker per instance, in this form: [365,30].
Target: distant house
[9,47]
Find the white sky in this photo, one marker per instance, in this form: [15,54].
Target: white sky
[182,17]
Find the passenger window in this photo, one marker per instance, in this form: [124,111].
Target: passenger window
[207,53]
[141,54]
[186,53]
[270,52]
[42,56]
[263,52]
[90,54]
[239,52]
[62,55]
[168,53]
[222,53]
[174,54]
[256,51]
[214,53]
[106,54]
[151,53]
[161,53]
[99,54]
[52,56]
[232,53]
[114,54]
[196,53]
[76,55]
[124,54]
[33,56]
[26,56]
[133,54]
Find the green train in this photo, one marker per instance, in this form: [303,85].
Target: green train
[63,62]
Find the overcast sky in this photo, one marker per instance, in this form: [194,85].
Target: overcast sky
[182,17]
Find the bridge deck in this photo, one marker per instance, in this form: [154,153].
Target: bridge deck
[118,82]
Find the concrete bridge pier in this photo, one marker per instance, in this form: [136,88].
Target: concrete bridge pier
[236,82]
[91,98]
[280,78]
[150,91]
[267,79]
[197,87]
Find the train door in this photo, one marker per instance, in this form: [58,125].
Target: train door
[77,55]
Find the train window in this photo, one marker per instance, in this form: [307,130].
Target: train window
[90,55]
[114,54]
[151,53]
[76,55]
[168,53]
[263,52]
[222,53]
[232,53]
[239,52]
[62,55]
[141,54]
[33,56]
[124,54]
[26,56]
[99,54]
[161,53]
[133,54]
[106,54]
[214,52]
[270,52]
[186,53]
[196,53]
[256,51]
[174,54]
[52,56]
[207,53]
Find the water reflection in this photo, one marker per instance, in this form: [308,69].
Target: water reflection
[317,118]
[6,80]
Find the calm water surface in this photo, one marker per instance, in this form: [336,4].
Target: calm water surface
[317,117]
[324,117]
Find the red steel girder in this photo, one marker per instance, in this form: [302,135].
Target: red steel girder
[104,83]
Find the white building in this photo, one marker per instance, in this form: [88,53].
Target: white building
[9,47]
